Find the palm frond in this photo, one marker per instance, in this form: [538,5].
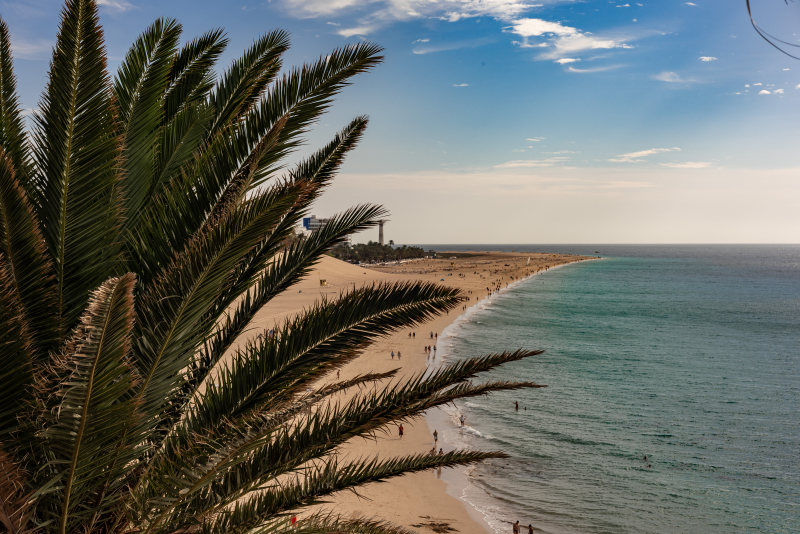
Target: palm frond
[324,337]
[298,99]
[308,489]
[76,154]
[85,410]
[253,453]
[15,505]
[139,88]
[244,81]
[303,95]
[178,140]
[12,126]
[17,362]
[27,264]
[192,77]
[171,310]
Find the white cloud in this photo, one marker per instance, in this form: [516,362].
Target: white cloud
[538,27]
[333,23]
[672,77]
[119,5]
[633,157]
[536,139]
[420,41]
[460,85]
[690,4]
[386,10]
[626,5]
[688,165]
[360,30]
[707,58]
[747,85]
[779,91]
[425,48]
[797,86]
[549,162]
[764,92]
[563,40]
[39,49]
[785,69]
[565,60]
[758,84]
[594,69]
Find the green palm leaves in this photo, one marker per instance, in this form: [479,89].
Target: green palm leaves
[119,411]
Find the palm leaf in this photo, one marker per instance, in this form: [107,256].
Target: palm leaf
[76,156]
[192,75]
[85,407]
[242,84]
[172,309]
[27,265]
[16,365]
[139,88]
[327,479]
[12,126]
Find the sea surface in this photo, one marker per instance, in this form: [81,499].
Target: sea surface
[688,355]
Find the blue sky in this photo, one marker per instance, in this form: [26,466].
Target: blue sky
[529,121]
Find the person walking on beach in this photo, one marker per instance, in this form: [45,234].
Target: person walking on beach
[516,527]
[462,419]
[435,438]
[393,355]
[401,431]
[530,529]
[441,452]
[431,335]
[398,355]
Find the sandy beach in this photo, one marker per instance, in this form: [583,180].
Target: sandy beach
[420,501]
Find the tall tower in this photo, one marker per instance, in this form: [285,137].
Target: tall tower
[380,230]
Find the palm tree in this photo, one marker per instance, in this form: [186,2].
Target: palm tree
[143,223]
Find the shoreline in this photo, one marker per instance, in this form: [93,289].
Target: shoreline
[458,480]
[421,502]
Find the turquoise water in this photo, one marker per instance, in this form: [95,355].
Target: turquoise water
[688,355]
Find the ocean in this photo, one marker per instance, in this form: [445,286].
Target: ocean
[688,355]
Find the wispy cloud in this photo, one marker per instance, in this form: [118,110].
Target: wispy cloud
[360,30]
[420,41]
[671,77]
[535,139]
[117,5]
[779,91]
[688,165]
[520,163]
[689,4]
[333,23]
[460,85]
[428,48]
[38,49]
[707,58]
[565,60]
[594,69]
[635,157]
[452,10]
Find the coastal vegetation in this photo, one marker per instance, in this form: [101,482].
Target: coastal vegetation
[372,251]
[144,222]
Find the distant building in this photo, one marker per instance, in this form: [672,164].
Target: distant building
[312,223]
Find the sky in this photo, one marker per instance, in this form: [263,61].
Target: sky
[527,121]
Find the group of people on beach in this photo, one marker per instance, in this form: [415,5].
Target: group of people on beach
[516,528]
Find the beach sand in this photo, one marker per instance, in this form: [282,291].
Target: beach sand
[418,501]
